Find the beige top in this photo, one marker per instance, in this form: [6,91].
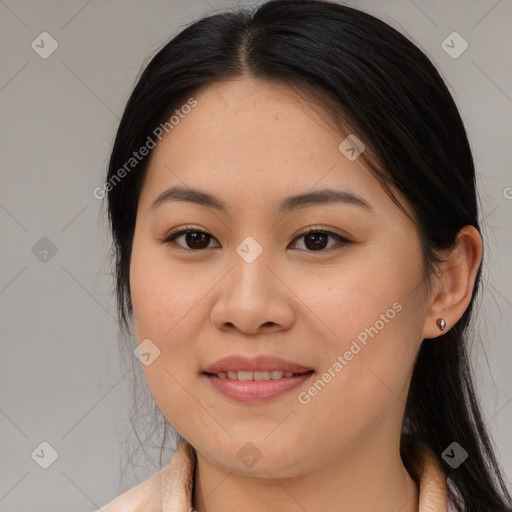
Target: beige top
[170,490]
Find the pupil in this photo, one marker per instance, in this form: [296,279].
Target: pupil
[194,240]
[319,240]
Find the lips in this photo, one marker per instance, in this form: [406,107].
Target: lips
[262,380]
[255,368]
[247,376]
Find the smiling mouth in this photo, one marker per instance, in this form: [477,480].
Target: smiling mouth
[246,376]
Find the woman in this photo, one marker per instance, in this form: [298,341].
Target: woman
[292,199]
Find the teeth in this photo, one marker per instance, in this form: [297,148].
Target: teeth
[247,375]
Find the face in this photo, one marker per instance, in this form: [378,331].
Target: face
[332,286]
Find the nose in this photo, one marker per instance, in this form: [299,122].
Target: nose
[253,298]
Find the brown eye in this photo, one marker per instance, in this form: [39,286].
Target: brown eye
[194,239]
[316,240]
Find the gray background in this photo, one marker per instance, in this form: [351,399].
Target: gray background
[61,378]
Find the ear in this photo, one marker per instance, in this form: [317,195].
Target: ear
[455,281]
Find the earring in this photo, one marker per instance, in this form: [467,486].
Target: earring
[441,323]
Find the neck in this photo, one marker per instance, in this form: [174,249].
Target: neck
[371,477]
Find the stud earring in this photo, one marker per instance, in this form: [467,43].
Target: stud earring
[441,323]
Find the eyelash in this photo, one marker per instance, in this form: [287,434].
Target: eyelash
[317,229]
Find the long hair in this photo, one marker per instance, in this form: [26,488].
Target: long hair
[370,77]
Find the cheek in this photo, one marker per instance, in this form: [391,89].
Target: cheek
[163,292]
[166,304]
[373,311]
[368,291]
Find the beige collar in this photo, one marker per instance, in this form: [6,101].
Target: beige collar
[170,490]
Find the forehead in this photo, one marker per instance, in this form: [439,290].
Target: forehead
[251,115]
[262,102]
[254,139]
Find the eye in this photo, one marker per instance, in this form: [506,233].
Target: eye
[316,239]
[195,239]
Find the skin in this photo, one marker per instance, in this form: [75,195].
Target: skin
[252,143]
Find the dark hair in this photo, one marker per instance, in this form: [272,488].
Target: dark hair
[368,77]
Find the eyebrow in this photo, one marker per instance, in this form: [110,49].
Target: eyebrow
[317,197]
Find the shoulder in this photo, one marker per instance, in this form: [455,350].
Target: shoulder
[169,489]
[144,497]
